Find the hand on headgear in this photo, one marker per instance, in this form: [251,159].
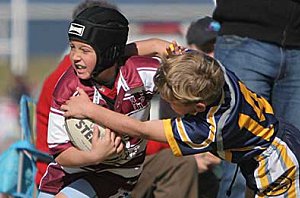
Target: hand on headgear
[174,49]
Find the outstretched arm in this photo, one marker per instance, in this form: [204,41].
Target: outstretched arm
[81,107]
[149,47]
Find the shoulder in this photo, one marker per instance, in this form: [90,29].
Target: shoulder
[136,65]
[65,86]
[142,61]
[138,71]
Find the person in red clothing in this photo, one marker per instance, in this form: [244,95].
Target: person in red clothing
[43,109]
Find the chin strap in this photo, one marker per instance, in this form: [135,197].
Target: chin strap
[108,58]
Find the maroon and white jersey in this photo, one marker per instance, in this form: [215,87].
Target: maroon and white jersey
[132,92]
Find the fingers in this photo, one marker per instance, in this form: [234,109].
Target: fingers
[112,136]
[170,49]
[81,91]
[120,148]
[67,113]
[108,134]
[95,133]
[212,159]
[117,141]
[174,49]
[201,164]
[64,107]
[111,139]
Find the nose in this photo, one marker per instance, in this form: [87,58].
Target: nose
[75,55]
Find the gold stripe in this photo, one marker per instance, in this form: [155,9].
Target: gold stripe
[263,104]
[228,156]
[180,129]
[255,128]
[261,170]
[248,148]
[211,134]
[170,137]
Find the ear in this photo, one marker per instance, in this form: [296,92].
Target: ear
[200,107]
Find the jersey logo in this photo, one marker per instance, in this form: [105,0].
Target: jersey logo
[138,101]
[76,29]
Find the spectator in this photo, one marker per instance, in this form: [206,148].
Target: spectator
[201,35]
[259,41]
[219,114]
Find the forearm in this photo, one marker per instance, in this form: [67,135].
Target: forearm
[148,47]
[73,157]
[108,118]
[125,124]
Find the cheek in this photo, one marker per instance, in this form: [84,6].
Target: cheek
[90,63]
[177,110]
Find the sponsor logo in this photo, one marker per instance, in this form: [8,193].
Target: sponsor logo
[85,129]
[76,29]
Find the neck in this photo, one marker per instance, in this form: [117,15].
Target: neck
[107,77]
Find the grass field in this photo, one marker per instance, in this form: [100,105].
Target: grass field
[38,69]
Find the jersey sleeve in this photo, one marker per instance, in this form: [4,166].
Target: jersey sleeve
[188,135]
[138,72]
[58,139]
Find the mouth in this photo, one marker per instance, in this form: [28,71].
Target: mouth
[80,67]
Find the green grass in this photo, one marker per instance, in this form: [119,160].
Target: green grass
[38,69]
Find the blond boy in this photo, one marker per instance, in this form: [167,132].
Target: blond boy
[219,114]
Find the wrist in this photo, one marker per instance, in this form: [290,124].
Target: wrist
[88,109]
[93,159]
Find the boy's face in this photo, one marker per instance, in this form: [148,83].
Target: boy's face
[83,58]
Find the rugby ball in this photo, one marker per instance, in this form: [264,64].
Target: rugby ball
[80,132]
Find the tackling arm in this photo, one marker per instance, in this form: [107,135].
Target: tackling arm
[147,47]
[81,106]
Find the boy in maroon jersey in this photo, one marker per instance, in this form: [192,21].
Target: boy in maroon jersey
[97,40]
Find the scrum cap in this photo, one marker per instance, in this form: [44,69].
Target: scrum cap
[105,29]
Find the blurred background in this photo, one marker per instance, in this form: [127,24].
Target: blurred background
[33,37]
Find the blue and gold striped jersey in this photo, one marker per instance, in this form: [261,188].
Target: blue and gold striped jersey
[238,126]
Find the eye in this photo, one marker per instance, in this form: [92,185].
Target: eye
[86,50]
[71,46]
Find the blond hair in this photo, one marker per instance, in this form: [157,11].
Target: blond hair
[190,78]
